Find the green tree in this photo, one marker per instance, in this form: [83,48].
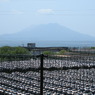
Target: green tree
[62,52]
[13,50]
[92,47]
[20,50]
[13,53]
[5,50]
[48,53]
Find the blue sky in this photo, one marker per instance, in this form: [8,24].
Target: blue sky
[78,15]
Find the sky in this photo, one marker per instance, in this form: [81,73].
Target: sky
[78,15]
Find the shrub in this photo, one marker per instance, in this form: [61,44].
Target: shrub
[62,52]
[8,53]
[48,53]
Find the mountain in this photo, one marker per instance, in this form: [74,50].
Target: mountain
[51,32]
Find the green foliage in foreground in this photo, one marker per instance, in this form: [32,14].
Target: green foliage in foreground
[62,52]
[8,53]
[92,47]
[13,50]
[48,53]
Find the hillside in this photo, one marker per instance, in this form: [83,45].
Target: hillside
[46,32]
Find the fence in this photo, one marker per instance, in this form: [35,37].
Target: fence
[72,74]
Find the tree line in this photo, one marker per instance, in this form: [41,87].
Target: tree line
[13,50]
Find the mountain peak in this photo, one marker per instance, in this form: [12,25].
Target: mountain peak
[47,32]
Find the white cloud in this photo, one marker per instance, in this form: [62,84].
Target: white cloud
[12,12]
[46,11]
[16,12]
[4,0]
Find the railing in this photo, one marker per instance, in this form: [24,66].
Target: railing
[47,75]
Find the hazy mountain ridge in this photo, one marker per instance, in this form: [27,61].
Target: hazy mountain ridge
[46,32]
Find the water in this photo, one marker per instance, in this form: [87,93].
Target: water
[49,43]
